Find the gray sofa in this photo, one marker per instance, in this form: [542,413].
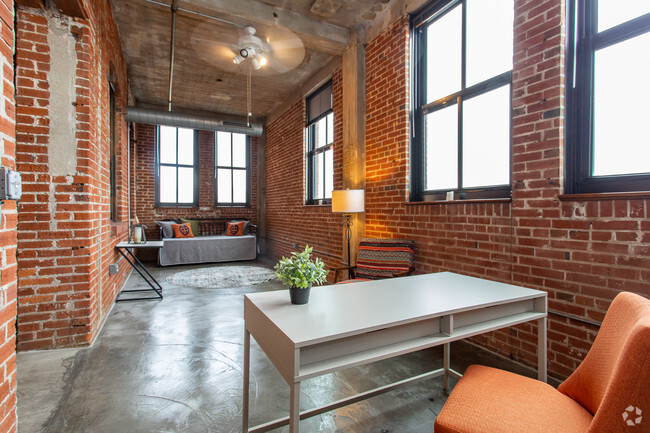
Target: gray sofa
[209,245]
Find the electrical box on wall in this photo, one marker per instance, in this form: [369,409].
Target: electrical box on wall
[11,185]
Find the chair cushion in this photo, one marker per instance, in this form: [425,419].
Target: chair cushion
[383,258]
[497,401]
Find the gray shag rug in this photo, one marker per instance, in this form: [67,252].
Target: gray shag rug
[221,277]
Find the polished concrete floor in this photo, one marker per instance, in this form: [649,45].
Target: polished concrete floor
[176,366]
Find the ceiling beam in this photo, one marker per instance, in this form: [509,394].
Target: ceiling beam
[31,3]
[72,8]
[315,34]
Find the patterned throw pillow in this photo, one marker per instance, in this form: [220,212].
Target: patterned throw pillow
[235,229]
[194,225]
[246,230]
[182,230]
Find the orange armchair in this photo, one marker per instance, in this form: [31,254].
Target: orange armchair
[607,393]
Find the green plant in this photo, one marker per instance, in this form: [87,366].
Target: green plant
[299,271]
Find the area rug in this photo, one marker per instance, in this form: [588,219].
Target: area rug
[221,277]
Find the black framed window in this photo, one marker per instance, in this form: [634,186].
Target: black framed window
[320,141]
[176,166]
[113,162]
[461,124]
[607,140]
[232,169]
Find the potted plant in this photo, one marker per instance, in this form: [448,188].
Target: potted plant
[299,273]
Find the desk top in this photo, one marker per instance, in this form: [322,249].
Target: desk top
[148,244]
[337,311]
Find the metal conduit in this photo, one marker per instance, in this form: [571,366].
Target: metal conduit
[172,50]
[182,120]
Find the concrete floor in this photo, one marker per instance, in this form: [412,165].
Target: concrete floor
[176,366]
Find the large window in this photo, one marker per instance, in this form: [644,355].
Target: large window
[231,186]
[176,171]
[320,139]
[462,78]
[608,89]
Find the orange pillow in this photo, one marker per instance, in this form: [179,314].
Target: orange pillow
[182,230]
[235,229]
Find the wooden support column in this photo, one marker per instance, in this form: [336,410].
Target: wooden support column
[354,131]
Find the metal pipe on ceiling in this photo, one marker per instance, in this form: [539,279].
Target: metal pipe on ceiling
[183,120]
[172,51]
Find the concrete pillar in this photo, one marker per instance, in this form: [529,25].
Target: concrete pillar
[354,131]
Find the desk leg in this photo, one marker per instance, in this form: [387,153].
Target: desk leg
[445,366]
[294,408]
[541,349]
[247,368]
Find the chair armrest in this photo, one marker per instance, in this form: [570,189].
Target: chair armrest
[342,268]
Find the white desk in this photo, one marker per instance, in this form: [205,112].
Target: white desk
[348,325]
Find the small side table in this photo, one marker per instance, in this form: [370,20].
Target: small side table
[126,250]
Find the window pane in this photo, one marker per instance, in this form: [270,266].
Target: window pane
[167,145]
[321,133]
[185,146]
[614,12]
[185,185]
[224,185]
[489,39]
[224,149]
[318,176]
[444,44]
[239,186]
[621,110]
[329,173]
[486,139]
[167,183]
[238,150]
[330,128]
[441,138]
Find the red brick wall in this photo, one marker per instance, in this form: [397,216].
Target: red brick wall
[290,224]
[144,185]
[65,237]
[582,252]
[8,219]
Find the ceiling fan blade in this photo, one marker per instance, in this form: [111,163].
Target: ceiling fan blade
[287,49]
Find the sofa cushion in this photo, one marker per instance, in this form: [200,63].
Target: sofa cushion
[167,230]
[208,249]
[182,230]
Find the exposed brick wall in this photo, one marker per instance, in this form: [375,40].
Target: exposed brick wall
[65,237]
[8,221]
[144,186]
[581,252]
[290,224]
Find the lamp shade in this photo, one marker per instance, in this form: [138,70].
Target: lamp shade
[348,201]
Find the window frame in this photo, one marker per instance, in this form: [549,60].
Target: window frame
[311,151]
[582,42]
[247,169]
[419,20]
[158,164]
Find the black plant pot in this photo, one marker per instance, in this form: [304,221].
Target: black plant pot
[299,296]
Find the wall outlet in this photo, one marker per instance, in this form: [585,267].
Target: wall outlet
[113,269]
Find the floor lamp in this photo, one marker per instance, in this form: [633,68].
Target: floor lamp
[347,202]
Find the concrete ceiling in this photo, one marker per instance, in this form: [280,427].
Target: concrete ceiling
[303,35]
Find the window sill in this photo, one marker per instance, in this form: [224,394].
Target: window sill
[606,196]
[474,200]
[307,205]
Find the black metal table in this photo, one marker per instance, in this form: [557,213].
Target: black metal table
[125,249]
